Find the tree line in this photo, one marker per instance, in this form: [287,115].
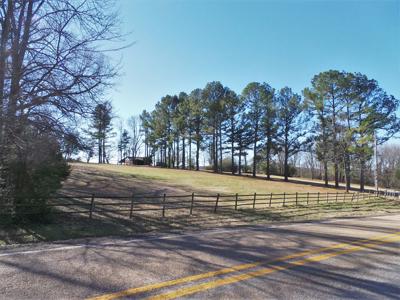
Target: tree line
[338,118]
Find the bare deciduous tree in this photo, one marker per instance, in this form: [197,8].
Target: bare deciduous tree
[136,134]
[53,67]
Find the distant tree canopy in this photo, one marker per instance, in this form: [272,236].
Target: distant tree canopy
[53,70]
[335,120]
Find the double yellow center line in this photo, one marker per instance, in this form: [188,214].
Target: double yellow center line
[344,248]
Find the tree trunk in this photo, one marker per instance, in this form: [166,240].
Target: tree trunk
[232,157]
[268,158]
[197,154]
[347,171]
[220,148]
[362,174]
[326,172]
[169,155]
[177,152]
[255,151]
[286,166]
[173,156]
[336,169]
[240,161]
[183,153]
[104,150]
[99,143]
[190,150]
[215,149]
[165,154]
[3,59]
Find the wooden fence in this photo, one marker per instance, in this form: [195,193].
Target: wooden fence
[162,205]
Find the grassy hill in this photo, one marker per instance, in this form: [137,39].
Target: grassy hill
[117,179]
[108,180]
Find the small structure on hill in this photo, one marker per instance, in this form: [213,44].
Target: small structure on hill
[136,160]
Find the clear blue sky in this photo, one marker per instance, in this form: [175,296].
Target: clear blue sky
[182,45]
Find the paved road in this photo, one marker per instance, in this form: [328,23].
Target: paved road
[342,258]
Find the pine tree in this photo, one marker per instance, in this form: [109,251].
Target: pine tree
[101,124]
[197,107]
[254,97]
[292,132]
[233,108]
[214,96]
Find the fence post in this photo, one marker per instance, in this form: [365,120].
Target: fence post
[91,207]
[308,197]
[191,204]
[216,204]
[236,201]
[337,193]
[318,198]
[254,201]
[131,212]
[163,207]
[352,197]
[296,199]
[284,199]
[344,196]
[270,200]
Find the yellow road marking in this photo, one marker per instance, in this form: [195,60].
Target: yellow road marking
[265,271]
[151,287]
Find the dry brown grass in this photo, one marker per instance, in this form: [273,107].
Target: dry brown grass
[116,179]
[125,181]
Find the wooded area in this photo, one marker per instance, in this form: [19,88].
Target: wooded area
[335,122]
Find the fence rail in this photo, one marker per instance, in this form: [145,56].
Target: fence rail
[130,205]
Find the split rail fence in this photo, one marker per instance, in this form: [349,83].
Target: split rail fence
[171,205]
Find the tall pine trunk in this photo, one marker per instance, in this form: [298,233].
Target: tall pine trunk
[190,150]
[240,160]
[99,143]
[165,154]
[220,148]
[326,172]
[269,156]
[347,170]
[215,149]
[183,153]
[362,173]
[255,150]
[336,170]
[169,155]
[232,158]
[232,145]
[197,151]
[177,153]
[286,165]
[104,150]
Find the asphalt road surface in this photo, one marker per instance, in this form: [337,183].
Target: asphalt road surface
[353,258]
